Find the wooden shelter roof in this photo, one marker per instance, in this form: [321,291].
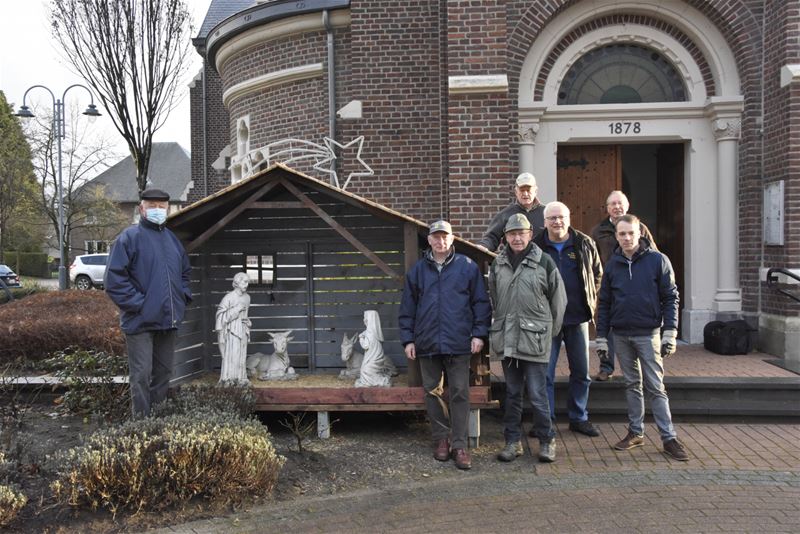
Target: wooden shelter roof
[197,222]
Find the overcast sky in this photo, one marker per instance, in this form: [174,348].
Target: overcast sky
[28,57]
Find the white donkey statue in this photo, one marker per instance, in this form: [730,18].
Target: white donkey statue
[351,357]
[274,366]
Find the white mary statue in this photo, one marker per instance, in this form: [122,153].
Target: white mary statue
[233,331]
[376,368]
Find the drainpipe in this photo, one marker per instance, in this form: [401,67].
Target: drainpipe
[205,131]
[326,21]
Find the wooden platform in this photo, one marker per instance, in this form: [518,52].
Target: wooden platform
[326,392]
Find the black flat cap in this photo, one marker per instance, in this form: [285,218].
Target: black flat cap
[154,194]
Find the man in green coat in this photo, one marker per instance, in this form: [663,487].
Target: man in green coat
[528,300]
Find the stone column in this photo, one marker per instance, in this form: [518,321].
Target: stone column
[726,124]
[526,135]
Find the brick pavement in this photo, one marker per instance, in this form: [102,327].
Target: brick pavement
[743,477]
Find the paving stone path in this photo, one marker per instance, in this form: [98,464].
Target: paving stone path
[742,478]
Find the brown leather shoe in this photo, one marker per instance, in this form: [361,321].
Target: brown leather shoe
[442,452]
[461,456]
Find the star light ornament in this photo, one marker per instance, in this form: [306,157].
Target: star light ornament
[332,156]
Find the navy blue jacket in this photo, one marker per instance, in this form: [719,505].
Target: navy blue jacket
[441,312]
[148,278]
[637,296]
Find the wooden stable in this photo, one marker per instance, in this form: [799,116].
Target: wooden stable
[318,257]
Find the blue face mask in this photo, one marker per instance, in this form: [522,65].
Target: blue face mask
[156,215]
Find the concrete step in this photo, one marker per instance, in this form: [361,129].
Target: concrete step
[716,396]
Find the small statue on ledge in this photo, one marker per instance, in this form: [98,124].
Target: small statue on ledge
[275,366]
[351,357]
[376,368]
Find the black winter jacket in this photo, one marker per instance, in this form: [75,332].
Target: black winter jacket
[637,296]
[591,269]
[494,233]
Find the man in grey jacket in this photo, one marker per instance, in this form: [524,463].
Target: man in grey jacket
[528,299]
[526,203]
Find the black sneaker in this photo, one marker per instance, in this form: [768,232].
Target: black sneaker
[584,427]
[674,449]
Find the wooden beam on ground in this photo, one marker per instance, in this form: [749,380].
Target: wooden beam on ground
[355,396]
[350,238]
[208,234]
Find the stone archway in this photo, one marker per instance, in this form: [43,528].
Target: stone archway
[710,124]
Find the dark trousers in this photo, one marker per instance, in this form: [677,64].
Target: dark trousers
[447,421]
[150,357]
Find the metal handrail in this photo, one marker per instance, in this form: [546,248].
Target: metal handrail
[772,281]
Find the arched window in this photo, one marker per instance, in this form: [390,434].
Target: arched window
[621,74]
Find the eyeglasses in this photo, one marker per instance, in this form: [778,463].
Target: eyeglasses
[554,218]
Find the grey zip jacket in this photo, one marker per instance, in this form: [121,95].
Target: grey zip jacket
[528,306]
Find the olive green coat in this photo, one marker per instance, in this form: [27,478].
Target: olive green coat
[528,306]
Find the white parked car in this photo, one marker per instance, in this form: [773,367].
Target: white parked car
[87,271]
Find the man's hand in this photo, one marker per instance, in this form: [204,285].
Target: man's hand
[477,345]
[669,342]
[601,345]
[411,351]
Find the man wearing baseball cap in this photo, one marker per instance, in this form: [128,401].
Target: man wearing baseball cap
[444,318]
[148,279]
[526,203]
[529,300]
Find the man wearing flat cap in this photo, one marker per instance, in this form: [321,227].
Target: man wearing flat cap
[444,317]
[528,299]
[148,279]
[526,203]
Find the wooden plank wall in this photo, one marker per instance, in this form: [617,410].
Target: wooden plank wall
[192,333]
[322,287]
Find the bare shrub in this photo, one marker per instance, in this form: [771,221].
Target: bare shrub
[155,463]
[90,377]
[11,502]
[41,324]
[234,399]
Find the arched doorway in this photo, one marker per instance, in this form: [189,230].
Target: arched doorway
[638,96]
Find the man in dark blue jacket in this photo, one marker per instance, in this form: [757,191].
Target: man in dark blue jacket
[148,279]
[637,298]
[444,317]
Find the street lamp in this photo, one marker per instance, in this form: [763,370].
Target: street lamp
[60,131]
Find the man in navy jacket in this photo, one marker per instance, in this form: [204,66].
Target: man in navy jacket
[444,317]
[637,298]
[148,279]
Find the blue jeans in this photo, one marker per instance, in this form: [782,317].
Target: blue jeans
[576,340]
[640,356]
[608,365]
[520,374]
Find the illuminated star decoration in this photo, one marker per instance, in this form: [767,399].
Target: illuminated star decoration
[332,156]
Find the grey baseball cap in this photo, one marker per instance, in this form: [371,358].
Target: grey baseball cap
[518,221]
[440,226]
[526,178]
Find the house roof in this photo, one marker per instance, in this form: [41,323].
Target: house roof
[218,11]
[170,170]
[193,220]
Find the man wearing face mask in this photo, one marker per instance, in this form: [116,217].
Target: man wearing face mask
[148,279]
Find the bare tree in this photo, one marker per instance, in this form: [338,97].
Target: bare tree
[133,53]
[85,155]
